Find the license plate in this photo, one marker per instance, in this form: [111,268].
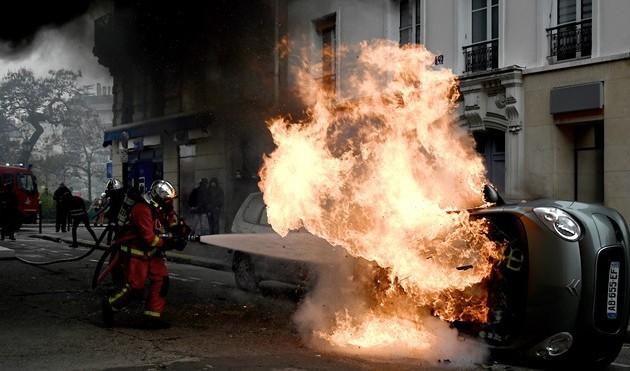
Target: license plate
[613,290]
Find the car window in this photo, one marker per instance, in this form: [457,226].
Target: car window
[263,218]
[253,210]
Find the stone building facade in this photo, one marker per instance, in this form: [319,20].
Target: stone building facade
[542,85]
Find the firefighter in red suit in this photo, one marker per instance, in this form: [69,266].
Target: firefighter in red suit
[142,255]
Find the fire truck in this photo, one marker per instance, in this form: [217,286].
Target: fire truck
[24,184]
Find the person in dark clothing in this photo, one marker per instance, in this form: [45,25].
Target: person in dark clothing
[61,217]
[10,214]
[199,203]
[217,198]
[115,193]
[78,213]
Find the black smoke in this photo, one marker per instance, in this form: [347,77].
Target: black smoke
[21,21]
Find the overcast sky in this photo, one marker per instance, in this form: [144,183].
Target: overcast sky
[68,46]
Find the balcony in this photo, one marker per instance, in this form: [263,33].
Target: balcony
[481,56]
[570,41]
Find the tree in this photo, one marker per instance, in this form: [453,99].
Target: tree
[50,169]
[83,143]
[9,142]
[28,104]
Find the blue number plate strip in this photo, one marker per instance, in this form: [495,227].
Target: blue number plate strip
[613,290]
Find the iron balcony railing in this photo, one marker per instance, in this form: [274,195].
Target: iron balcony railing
[570,41]
[481,56]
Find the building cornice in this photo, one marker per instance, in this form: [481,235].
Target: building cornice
[577,63]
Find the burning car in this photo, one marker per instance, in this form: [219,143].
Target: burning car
[387,177]
[560,292]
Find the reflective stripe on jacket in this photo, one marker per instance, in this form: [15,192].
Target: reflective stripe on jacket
[137,252]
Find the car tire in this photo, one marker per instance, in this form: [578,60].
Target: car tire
[594,355]
[244,273]
[605,356]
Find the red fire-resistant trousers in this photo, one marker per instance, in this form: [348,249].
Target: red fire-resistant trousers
[136,271]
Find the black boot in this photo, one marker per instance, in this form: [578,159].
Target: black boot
[108,313]
[152,323]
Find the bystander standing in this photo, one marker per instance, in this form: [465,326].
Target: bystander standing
[10,214]
[216,204]
[198,203]
[61,216]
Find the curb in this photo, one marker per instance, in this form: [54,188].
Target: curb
[68,240]
[6,253]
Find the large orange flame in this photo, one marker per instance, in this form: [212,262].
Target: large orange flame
[388,174]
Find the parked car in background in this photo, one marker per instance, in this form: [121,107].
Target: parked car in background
[251,217]
[250,269]
[561,294]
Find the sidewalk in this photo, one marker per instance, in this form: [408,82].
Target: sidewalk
[6,253]
[195,253]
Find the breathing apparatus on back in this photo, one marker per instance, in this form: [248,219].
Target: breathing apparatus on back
[132,196]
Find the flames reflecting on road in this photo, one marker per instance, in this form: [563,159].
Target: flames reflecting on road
[381,174]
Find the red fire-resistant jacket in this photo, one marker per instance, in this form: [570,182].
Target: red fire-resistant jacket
[145,224]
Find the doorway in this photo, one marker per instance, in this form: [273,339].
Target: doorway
[143,168]
[588,155]
[491,146]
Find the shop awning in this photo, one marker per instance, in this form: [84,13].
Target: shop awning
[159,125]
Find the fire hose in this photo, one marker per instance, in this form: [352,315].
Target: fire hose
[98,277]
[75,258]
[113,250]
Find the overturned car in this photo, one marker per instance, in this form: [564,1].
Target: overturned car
[562,290]
[560,293]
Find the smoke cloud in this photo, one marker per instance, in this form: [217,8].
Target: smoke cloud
[59,35]
[336,292]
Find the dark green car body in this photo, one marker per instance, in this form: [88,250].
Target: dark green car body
[571,292]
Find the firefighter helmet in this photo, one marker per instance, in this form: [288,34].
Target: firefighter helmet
[114,184]
[162,192]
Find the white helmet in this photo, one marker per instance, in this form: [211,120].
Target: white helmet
[114,184]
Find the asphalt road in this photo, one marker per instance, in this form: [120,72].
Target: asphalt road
[50,319]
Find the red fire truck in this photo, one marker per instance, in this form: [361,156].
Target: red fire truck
[24,184]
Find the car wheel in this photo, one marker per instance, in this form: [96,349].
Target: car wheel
[244,274]
[592,355]
[602,357]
